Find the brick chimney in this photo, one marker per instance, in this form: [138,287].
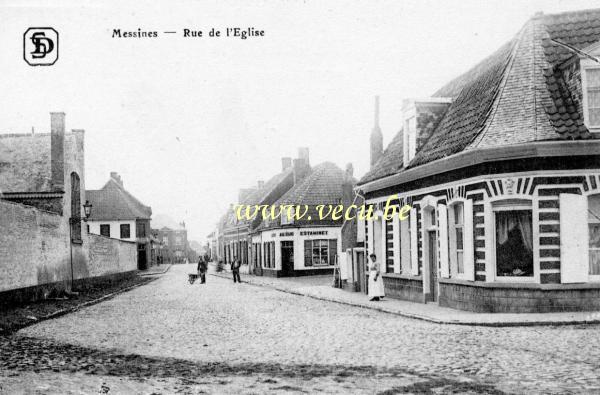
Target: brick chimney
[116,177]
[376,139]
[304,154]
[57,150]
[286,163]
[420,118]
[301,165]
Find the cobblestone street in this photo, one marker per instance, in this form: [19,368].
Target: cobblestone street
[169,336]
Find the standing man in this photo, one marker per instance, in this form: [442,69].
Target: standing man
[202,270]
[235,269]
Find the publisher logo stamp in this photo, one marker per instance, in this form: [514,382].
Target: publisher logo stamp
[40,46]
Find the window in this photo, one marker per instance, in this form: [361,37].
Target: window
[141,229]
[178,241]
[75,208]
[457,223]
[514,242]
[165,240]
[594,229]
[269,251]
[405,241]
[320,252]
[592,97]
[105,230]
[125,231]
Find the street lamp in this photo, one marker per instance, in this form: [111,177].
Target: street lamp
[87,210]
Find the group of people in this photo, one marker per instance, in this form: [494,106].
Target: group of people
[376,291]
[203,267]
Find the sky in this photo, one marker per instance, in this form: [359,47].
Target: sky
[186,122]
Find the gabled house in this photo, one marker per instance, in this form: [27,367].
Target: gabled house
[301,242]
[234,234]
[118,214]
[502,169]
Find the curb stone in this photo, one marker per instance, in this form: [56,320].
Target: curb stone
[73,309]
[421,317]
[154,274]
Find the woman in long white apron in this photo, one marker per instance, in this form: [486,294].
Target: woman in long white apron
[375,281]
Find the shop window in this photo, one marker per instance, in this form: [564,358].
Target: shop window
[514,241]
[125,231]
[105,230]
[594,238]
[319,252]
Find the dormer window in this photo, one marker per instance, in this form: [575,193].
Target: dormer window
[590,84]
[592,97]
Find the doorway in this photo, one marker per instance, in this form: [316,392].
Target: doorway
[433,265]
[287,258]
[142,258]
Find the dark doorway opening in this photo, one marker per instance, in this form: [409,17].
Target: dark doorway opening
[287,258]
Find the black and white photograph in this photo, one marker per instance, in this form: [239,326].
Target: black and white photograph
[299,197]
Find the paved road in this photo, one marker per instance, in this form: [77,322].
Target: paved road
[169,336]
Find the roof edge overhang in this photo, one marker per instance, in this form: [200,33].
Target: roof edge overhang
[32,195]
[485,155]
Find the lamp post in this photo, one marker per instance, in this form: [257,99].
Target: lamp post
[87,210]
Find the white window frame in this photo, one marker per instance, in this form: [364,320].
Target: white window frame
[585,66]
[591,277]
[405,246]
[503,205]
[453,250]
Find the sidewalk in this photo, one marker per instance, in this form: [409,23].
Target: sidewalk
[319,287]
[153,270]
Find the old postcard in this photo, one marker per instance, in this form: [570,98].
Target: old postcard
[301,196]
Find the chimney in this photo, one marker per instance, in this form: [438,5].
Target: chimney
[261,183]
[301,170]
[349,171]
[286,163]
[117,178]
[376,137]
[57,150]
[420,118]
[303,154]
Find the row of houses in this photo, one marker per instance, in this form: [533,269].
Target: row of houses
[501,169]
[286,246]
[120,215]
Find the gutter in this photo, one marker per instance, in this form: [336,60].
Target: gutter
[477,156]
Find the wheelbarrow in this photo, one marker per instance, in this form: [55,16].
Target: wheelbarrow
[192,277]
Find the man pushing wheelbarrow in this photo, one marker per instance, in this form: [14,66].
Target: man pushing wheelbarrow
[202,269]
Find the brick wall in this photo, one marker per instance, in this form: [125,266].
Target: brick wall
[107,256]
[35,250]
[34,247]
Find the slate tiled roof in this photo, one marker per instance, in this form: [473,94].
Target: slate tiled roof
[113,202]
[516,95]
[260,196]
[580,30]
[322,186]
